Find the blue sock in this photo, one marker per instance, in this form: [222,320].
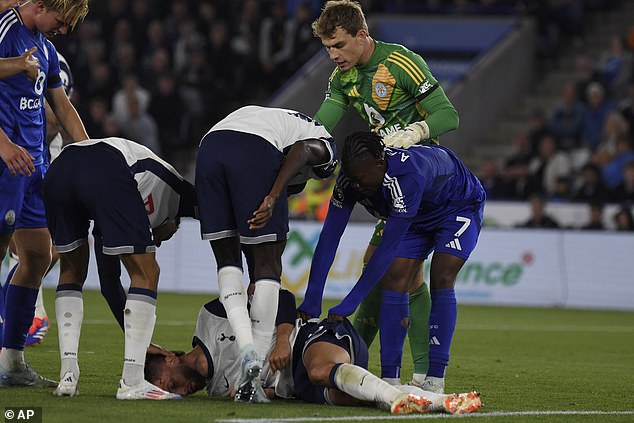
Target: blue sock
[442,322]
[20,309]
[393,324]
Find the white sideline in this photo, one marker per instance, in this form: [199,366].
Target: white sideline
[429,416]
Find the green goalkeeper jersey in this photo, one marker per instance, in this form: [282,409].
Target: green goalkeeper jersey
[393,89]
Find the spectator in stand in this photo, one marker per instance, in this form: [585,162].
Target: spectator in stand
[516,167]
[101,82]
[566,122]
[613,171]
[304,44]
[492,182]
[244,45]
[596,113]
[140,126]
[625,190]
[615,127]
[130,85]
[188,40]
[171,126]
[97,112]
[623,219]
[547,167]
[276,46]
[538,217]
[626,107]
[585,75]
[111,127]
[596,217]
[224,81]
[591,186]
[616,67]
[142,15]
[538,129]
[562,190]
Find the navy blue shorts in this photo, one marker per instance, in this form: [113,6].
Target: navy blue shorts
[234,172]
[342,334]
[21,204]
[95,183]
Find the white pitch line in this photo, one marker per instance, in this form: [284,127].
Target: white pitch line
[429,416]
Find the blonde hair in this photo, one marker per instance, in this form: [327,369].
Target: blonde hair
[71,11]
[346,14]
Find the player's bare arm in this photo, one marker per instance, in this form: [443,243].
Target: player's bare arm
[66,114]
[302,153]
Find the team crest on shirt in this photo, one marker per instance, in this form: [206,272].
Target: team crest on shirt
[9,217]
[380,89]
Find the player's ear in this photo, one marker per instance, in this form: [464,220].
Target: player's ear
[171,360]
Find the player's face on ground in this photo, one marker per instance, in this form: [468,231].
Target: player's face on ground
[366,175]
[177,378]
[344,48]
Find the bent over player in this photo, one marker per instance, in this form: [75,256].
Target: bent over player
[244,165]
[135,199]
[431,202]
[394,91]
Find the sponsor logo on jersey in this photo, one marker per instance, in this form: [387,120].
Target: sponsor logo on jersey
[30,103]
[380,89]
[425,86]
[9,217]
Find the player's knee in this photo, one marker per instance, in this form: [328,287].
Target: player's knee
[444,279]
[36,261]
[319,375]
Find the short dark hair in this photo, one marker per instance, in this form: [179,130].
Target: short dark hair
[359,144]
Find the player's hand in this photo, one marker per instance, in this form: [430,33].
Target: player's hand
[31,63]
[405,138]
[263,214]
[280,355]
[18,160]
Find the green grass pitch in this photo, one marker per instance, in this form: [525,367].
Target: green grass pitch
[526,362]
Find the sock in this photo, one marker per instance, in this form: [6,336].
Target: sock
[234,300]
[366,319]
[361,384]
[20,308]
[394,322]
[69,311]
[109,269]
[265,300]
[442,322]
[40,311]
[139,318]
[418,332]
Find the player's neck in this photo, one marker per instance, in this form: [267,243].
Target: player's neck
[197,360]
[367,54]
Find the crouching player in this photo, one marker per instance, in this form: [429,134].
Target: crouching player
[315,361]
[135,200]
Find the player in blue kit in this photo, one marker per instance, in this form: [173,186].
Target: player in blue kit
[244,165]
[135,200]
[22,131]
[431,202]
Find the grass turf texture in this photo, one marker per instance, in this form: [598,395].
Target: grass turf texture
[520,359]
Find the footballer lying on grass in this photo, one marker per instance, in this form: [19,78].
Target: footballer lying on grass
[317,361]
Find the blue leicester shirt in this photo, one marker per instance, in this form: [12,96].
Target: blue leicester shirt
[421,184]
[22,111]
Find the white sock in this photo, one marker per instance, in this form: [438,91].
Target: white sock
[69,310]
[419,378]
[437,400]
[40,311]
[139,318]
[263,314]
[11,358]
[392,380]
[234,300]
[361,384]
